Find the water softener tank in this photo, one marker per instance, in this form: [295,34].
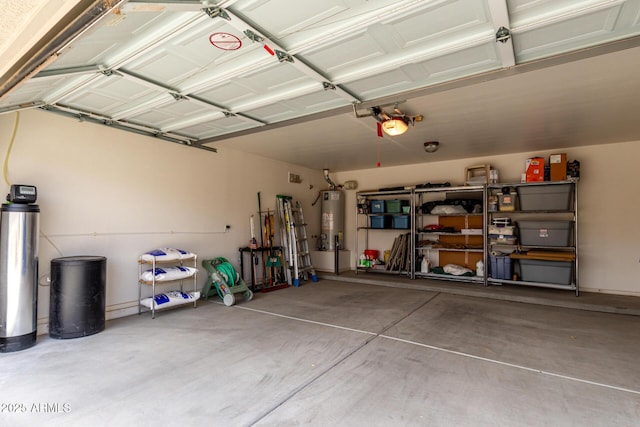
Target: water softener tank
[19,227]
[332,220]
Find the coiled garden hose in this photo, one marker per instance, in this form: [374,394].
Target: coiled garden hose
[225,267]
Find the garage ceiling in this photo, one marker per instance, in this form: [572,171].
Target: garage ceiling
[296,80]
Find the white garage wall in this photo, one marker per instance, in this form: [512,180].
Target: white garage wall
[609,236]
[117,194]
[107,192]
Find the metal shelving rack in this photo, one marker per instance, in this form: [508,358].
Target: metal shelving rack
[463,249]
[568,214]
[405,194]
[142,264]
[480,246]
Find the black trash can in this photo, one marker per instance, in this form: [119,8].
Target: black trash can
[77,296]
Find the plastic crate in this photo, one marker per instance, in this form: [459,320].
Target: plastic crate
[501,267]
[395,206]
[377,206]
[380,221]
[545,233]
[556,272]
[553,197]
[401,221]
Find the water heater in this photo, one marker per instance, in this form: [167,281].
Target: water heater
[332,220]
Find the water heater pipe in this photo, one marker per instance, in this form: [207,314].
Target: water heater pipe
[332,185]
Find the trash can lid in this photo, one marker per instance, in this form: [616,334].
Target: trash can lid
[81,259]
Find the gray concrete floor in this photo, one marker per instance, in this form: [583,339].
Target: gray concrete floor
[336,353]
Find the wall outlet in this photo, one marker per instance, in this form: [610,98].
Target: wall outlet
[294,178]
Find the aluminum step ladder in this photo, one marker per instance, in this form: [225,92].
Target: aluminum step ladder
[285,234]
[303,268]
[294,233]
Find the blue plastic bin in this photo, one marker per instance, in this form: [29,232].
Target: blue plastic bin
[401,221]
[380,221]
[377,206]
[501,267]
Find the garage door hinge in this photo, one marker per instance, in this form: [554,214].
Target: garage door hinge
[284,56]
[253,36]
[217,12]
[503,35]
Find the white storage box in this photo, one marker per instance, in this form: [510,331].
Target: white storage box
[472,231]
[501,239]
[507,230]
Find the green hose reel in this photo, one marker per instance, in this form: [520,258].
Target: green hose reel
[226,282]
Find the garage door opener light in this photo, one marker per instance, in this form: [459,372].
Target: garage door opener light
[393,124]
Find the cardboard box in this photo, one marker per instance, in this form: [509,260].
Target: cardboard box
[507,202]
[558,163]
[534,169]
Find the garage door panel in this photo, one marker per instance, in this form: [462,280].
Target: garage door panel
[431,71]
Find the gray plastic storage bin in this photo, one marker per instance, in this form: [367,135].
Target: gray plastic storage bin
[545,233]
[556,272]
[552,197]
